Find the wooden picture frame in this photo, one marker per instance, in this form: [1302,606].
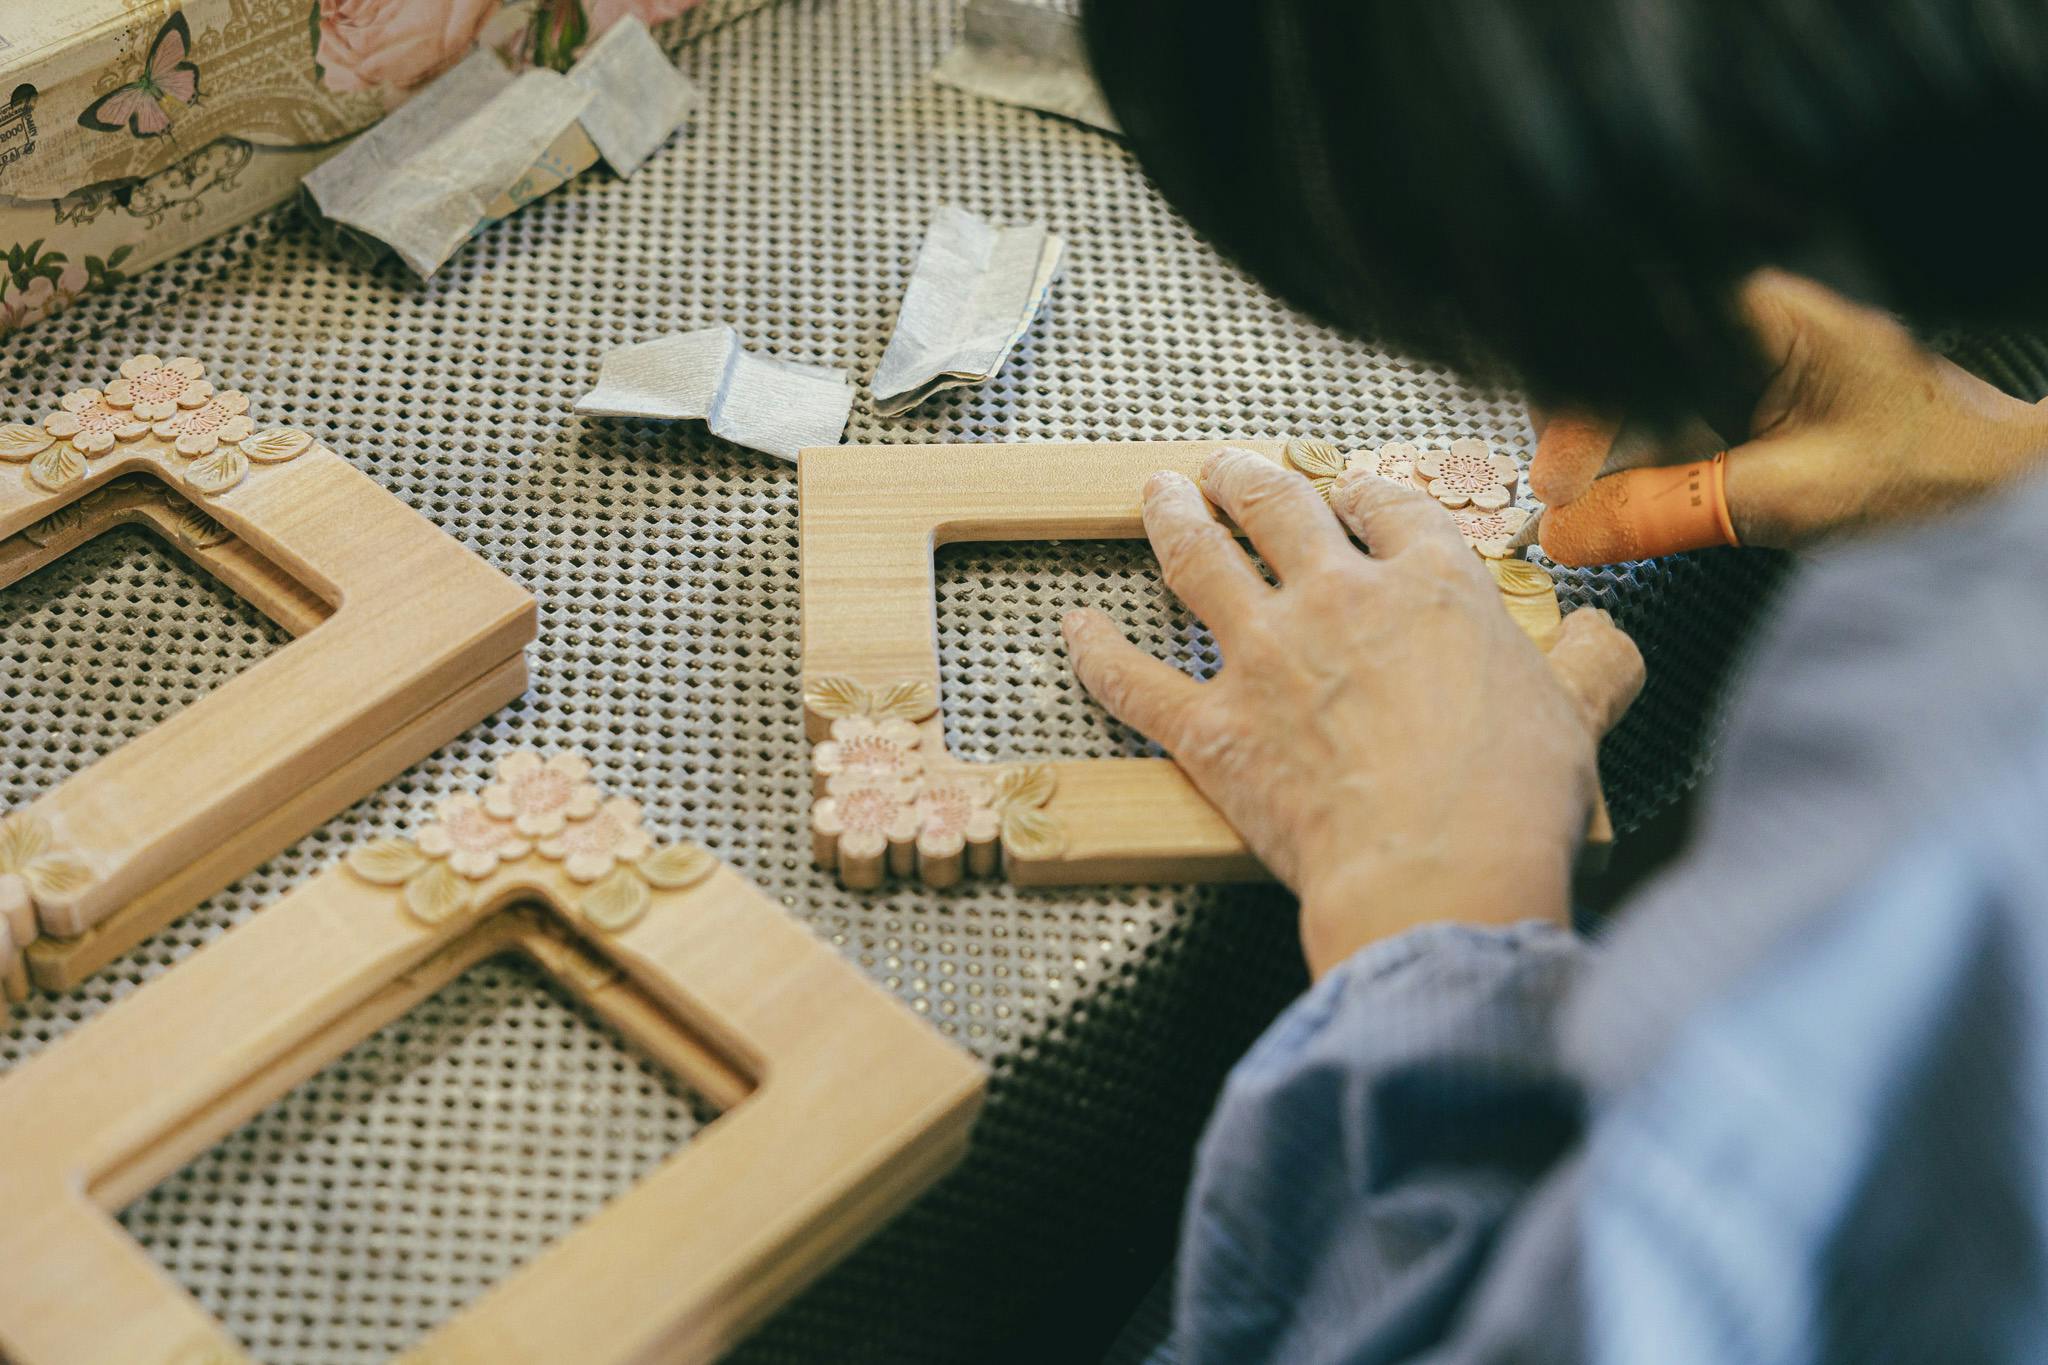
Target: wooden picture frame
[409,639]
[870,519]
[841,1105]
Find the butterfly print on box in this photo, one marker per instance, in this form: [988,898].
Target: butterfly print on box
[139,105]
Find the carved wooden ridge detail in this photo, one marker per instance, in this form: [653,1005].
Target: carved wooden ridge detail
[205,436]
[887,799]
[545,809]
[191,526]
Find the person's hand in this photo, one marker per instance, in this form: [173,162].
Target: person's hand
[1388,742]
[1859,426]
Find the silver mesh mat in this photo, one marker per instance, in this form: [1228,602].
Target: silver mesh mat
[347,1220]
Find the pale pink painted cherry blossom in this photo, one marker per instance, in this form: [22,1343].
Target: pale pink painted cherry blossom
[954,812]
[86,420]
[538,795]
[861,746]
[198,431]
[858,821]
[589,848]
[472,839]
[1491,533]
[1395,461]
[153,388]
[1469,474]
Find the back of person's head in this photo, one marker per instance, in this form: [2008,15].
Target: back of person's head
[1571,188]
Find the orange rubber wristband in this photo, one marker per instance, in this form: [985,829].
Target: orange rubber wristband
[1643,513]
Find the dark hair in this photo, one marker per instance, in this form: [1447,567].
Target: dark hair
[1572,188]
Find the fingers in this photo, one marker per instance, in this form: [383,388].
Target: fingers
[1571,448]
[1641,514]
[1390,517]
[1280,511]
[1148,695]
[1599,666]
[1199,557]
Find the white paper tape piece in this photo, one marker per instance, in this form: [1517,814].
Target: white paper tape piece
[1026,54]
[478,143]
[774,406]
[637,97]
[972,294]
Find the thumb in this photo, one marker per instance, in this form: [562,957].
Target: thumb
[1599,667]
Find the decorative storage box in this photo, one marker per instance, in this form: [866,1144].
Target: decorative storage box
[134,129]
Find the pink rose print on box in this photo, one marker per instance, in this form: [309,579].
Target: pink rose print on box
[604,13]
[394,44]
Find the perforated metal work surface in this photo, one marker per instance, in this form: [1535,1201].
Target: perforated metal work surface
[666,569]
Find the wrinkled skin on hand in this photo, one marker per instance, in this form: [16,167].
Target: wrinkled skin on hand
[1385,738]
[1860,426]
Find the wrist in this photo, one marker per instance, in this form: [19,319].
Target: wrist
[1377,896]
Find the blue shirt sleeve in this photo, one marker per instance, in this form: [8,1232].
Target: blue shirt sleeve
[1793,1107]
[1366,1151]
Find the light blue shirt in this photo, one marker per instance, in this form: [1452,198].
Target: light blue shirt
[1793,1108]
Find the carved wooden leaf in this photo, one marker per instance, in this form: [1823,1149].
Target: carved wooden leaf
[218,472]
[1033,834]
[53,878]
[57,467]
[835,696]
[1520,578]
[1025,787]
[678,865]
[386,862]
[22,840]
[56,524]
[276,445]
[199,530]
[907,700]
[436,893]
[18,443]
[1317,459]
[618,901]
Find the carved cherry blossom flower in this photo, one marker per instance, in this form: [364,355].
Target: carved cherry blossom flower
[864,747]
[589,848]
[955,813]
[539,795]
[198,431]
[154,389]
[90,423]
[472,839]
[1491,533]
[858,821]
[1395,461]
[1469,475]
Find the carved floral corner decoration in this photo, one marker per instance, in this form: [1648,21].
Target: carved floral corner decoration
[545,809]
[35,874]
[206,431]
[1474,483]
[880,807]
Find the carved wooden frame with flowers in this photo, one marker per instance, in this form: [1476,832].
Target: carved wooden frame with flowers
[409,639]
[888,795]
[841,1105]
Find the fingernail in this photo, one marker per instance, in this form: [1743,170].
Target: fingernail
[1161,481]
